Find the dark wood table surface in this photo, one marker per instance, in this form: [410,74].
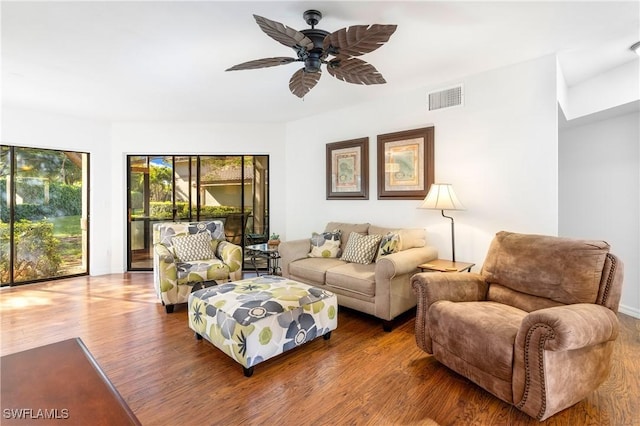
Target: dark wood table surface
[59,384]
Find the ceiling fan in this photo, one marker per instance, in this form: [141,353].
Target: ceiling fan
[314,46]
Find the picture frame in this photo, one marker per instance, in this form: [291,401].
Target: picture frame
[405,164]
[348,170]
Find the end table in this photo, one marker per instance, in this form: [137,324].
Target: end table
[442,265]
[264,250]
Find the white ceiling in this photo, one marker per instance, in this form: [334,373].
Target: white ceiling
[166,61]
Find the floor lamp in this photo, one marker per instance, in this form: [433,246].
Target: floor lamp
[442,197]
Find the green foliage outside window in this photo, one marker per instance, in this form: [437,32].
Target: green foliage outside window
[64,200]
[37,251]
[164,210]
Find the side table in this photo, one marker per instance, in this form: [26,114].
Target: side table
[442,265]
[265,251]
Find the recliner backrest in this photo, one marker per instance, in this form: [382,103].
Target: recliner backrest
[534,271]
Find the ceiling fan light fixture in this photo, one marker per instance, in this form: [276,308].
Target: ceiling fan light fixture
[312,63]
[636,48]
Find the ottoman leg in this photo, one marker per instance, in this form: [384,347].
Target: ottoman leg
[326,336]
[198,336]
[168,308]
[248,372]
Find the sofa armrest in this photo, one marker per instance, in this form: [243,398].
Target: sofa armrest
[431,287]
[292,250]
[404,262]
[564,328]
[231,255]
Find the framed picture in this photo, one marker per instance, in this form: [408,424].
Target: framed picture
[405,164]
[348,170]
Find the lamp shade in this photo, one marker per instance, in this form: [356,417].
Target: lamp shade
[441,196]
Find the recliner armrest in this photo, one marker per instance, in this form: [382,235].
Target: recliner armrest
[563,328]
[561,354]
[431,287]
[453,286]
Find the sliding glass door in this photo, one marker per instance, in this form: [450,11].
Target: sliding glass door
[232,188]
[43,214]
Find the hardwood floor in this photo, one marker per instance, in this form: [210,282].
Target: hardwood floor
[361,376]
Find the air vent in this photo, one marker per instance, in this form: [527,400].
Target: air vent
[446,98]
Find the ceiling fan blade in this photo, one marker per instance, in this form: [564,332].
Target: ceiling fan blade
[301,82]
[354,70]
[358,39]
[283,34]
[262,63]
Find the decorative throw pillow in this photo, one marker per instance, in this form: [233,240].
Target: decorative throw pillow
[326,244]
[390,243]
[193,247]
[361,248]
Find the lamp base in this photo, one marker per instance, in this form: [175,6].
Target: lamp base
[453,236]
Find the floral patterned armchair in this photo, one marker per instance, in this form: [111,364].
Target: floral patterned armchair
[188,254]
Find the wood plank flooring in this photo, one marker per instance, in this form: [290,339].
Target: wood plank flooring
[361,376]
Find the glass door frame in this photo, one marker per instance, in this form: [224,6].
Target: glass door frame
[193,197]
[11,193]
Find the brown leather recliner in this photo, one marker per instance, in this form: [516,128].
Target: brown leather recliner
[536,327]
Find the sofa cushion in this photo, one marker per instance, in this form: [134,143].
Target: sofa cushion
[313,269]
[361,248]
[463,328]
[570,271]
[190,247]
[346,229]
[353,277]
[326,244]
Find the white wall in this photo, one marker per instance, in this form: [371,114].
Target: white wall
[191,138]
[30,128]
[499,151]
[599,186]
[610,89]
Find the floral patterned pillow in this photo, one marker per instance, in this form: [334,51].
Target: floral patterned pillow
[389,244]
[326,244]
[192,247]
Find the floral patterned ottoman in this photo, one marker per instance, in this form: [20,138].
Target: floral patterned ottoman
[255,319]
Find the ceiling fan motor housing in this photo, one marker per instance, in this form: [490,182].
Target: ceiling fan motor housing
[313,59]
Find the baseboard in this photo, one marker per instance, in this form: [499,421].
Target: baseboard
[634,312]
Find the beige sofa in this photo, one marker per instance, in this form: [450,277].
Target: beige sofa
[381,289]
